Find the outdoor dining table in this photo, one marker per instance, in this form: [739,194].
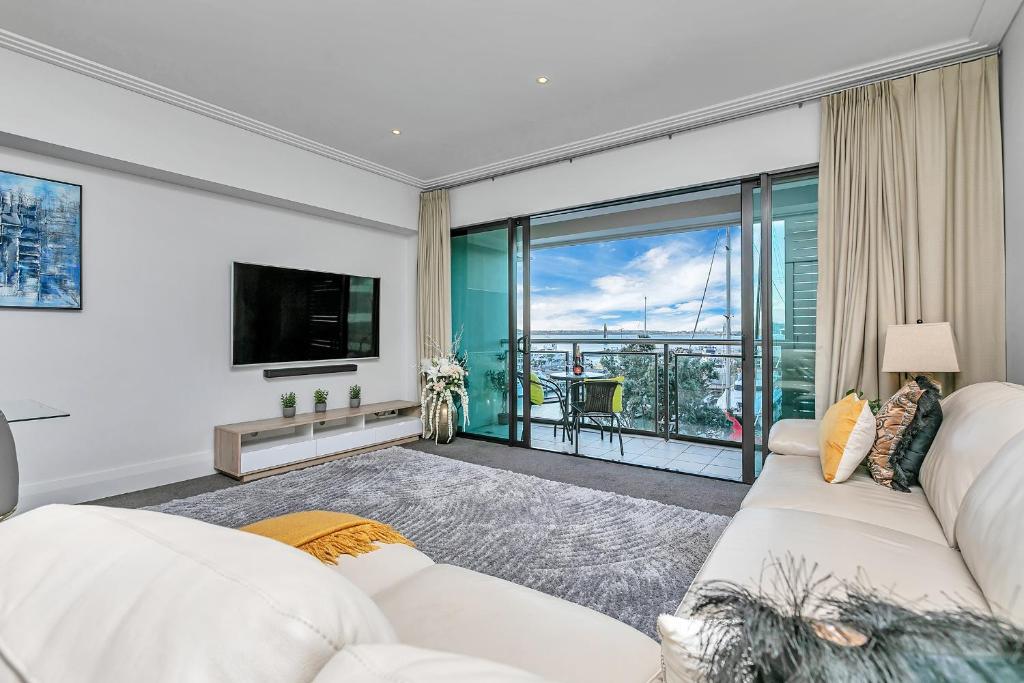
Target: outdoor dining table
[572,384]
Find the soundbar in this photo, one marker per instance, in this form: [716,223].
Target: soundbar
[273,373]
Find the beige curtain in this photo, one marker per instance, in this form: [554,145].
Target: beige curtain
[434,274]
[911,224]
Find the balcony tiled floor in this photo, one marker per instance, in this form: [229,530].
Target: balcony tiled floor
[676,456]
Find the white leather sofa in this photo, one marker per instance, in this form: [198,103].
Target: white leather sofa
[101,594]
[97,594]
[956,539]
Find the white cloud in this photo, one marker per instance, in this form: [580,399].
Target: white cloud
[671,276]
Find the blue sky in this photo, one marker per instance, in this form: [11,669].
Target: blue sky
[580,287]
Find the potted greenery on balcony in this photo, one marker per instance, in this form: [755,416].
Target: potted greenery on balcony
[497,381]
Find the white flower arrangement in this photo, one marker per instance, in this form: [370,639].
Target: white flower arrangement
[444,378]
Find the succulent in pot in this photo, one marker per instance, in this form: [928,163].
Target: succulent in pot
[320,400]
[355,396]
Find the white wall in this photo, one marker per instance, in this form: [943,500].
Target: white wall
[1012,84]
[766,142]
[145,368]
[67,114]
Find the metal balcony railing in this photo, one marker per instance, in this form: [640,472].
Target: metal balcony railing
[675,388]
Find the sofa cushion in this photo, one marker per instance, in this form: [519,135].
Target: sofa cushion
[456,610]
[404,664]
[794,482]
[388,565]
[905,568]
[990,530]
[977,421]
[794,437]
[891,424]
[846,434]
[683,640]
[909,455]
[101,594]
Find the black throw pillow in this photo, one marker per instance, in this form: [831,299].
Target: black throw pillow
[909,454]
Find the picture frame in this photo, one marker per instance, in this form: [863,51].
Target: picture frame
[40,243]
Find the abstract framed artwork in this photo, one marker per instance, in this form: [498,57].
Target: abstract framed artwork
[40,243]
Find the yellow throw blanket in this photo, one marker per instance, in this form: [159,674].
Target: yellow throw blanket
[326,535]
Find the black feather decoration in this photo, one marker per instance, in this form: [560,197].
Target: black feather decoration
[805,628]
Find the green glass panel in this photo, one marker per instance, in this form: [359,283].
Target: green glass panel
[480,301]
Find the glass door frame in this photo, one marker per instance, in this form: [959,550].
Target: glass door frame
[747,319]
[756,336]
[519,243]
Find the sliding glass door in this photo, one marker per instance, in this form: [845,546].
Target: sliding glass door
[480,305]
[703,312]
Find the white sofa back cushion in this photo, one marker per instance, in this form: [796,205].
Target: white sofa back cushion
[976,421]
[407,664]
[99,594]
[990,531]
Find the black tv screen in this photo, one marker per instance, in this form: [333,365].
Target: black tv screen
[281,315]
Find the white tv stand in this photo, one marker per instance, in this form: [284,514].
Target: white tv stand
[261,448]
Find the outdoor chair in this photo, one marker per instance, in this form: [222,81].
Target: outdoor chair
[602,400]
[538,397]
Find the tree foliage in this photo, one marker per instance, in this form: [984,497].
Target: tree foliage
[694,398]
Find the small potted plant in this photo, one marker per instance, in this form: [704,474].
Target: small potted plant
[320,400]
[498,382]
[355,396]
[288,404]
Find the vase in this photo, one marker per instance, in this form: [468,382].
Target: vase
[444,427]
[320,407]
[354,402]
[289,412]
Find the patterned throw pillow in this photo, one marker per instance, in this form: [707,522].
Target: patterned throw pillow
[908,457]
[891,425]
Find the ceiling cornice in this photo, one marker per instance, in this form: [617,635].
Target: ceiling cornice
[726,111]
[51,55]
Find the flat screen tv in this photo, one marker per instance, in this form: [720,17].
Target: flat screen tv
[284,315]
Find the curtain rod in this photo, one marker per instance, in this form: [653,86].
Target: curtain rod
[782,103]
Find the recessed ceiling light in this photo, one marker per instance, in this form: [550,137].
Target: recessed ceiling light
[542,79]
[396,132]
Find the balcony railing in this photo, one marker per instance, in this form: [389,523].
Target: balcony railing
[675,388]
[699,398]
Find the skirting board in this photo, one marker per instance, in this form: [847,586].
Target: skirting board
[111,482]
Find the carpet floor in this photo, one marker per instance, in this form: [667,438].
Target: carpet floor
[629,558]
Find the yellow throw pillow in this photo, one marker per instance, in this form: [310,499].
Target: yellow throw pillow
[845,435]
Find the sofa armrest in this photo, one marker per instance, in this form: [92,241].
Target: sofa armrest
[794,437]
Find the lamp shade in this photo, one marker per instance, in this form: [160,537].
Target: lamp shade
[924,347]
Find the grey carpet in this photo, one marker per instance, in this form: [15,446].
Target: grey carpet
[629,558]
[673,488]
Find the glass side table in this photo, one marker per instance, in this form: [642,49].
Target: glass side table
[11,411]
[26,410]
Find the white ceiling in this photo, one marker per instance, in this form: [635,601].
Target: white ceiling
[458,76]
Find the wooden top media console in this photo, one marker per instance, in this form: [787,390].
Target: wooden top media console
[252,450]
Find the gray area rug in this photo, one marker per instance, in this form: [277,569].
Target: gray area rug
[632,559]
